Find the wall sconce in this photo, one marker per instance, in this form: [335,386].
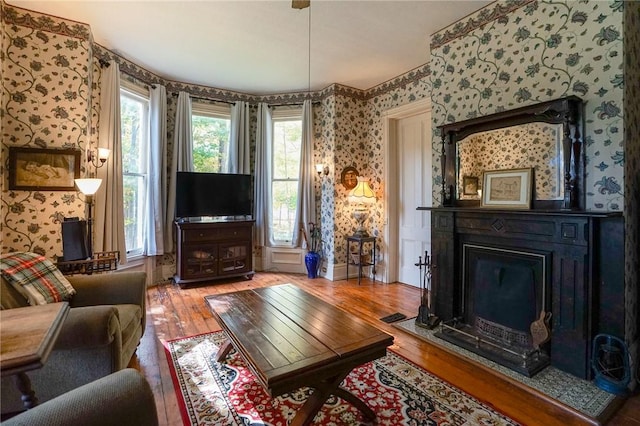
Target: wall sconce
[322,169]
[89,187]
[361,196]
[98,157]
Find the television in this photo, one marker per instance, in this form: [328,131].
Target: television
[212,194]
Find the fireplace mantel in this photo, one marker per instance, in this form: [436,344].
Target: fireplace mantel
[586,249]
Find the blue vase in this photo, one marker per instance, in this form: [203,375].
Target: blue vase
[312,262]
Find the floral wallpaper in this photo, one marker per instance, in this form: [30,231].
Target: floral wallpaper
[46,92]
[324,148]
[541,51]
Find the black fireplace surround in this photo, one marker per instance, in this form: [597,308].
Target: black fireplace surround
[581,284]
[498,274]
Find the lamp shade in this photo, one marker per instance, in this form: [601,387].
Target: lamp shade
[88,186]
[362,193]
[103,153]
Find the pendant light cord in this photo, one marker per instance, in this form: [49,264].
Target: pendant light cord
[309,57]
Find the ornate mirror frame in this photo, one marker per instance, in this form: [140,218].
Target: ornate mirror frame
[566,111]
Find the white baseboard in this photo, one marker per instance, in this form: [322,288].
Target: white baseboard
[339,272]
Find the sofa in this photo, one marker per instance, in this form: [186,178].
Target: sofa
[123,398]
[100,335]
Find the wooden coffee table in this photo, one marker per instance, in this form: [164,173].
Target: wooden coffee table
[290,339]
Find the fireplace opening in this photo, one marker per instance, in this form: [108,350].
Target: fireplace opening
[503,305]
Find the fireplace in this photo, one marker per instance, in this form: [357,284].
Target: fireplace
[535,285]
[504,293]
[495,273]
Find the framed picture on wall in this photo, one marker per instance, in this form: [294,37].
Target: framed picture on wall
[32,169]
[349,177]
[507,189]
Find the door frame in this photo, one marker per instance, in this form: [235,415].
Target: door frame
[390,119]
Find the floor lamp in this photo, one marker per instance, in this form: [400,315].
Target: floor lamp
[89,187]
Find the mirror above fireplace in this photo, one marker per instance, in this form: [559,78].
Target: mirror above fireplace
[531,145]
[547,137]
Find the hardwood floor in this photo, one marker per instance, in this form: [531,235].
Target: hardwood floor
[173,312]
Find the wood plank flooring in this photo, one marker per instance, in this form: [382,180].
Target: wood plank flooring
[173,312]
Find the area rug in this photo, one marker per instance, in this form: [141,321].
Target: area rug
[398,391]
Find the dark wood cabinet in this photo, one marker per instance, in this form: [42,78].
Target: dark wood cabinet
[209,250]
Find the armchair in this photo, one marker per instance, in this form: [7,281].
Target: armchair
[100,335]
[123,398]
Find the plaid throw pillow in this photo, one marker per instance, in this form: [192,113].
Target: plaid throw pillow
[36,278]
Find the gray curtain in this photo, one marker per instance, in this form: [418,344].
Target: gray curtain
[182,160]
[157,172]
[262,181]
[109,213]
[239,139]
[306,209]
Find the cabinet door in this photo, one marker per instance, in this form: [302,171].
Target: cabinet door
[234,258]
[199,261]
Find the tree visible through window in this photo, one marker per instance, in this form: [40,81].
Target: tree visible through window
[134,112]
[210,141]
[287,143]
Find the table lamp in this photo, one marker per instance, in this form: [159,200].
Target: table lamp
[362,195]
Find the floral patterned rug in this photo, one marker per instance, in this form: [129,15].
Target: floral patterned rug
[398,391]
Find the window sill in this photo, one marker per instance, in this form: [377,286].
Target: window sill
[133,262]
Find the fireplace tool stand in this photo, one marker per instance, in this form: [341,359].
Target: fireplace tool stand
[425,317]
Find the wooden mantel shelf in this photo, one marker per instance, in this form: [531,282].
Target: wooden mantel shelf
[535,212]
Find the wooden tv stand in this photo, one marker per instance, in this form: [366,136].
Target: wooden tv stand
[215,249]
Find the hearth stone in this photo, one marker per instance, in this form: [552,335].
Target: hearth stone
[580,394]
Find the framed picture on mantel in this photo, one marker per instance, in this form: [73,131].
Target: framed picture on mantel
[507,189]
[469,185]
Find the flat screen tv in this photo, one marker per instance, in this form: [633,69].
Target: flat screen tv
[212,194]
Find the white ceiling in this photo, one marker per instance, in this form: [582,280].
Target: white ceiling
[262,47]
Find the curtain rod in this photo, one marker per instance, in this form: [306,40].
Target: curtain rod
[175,94]
[294,104]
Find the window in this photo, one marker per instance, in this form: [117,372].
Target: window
[210,125]
[285,166]
[134,113]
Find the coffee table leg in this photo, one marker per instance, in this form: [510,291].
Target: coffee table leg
[23,384]
[356,402]
[224,350]
[321,393]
